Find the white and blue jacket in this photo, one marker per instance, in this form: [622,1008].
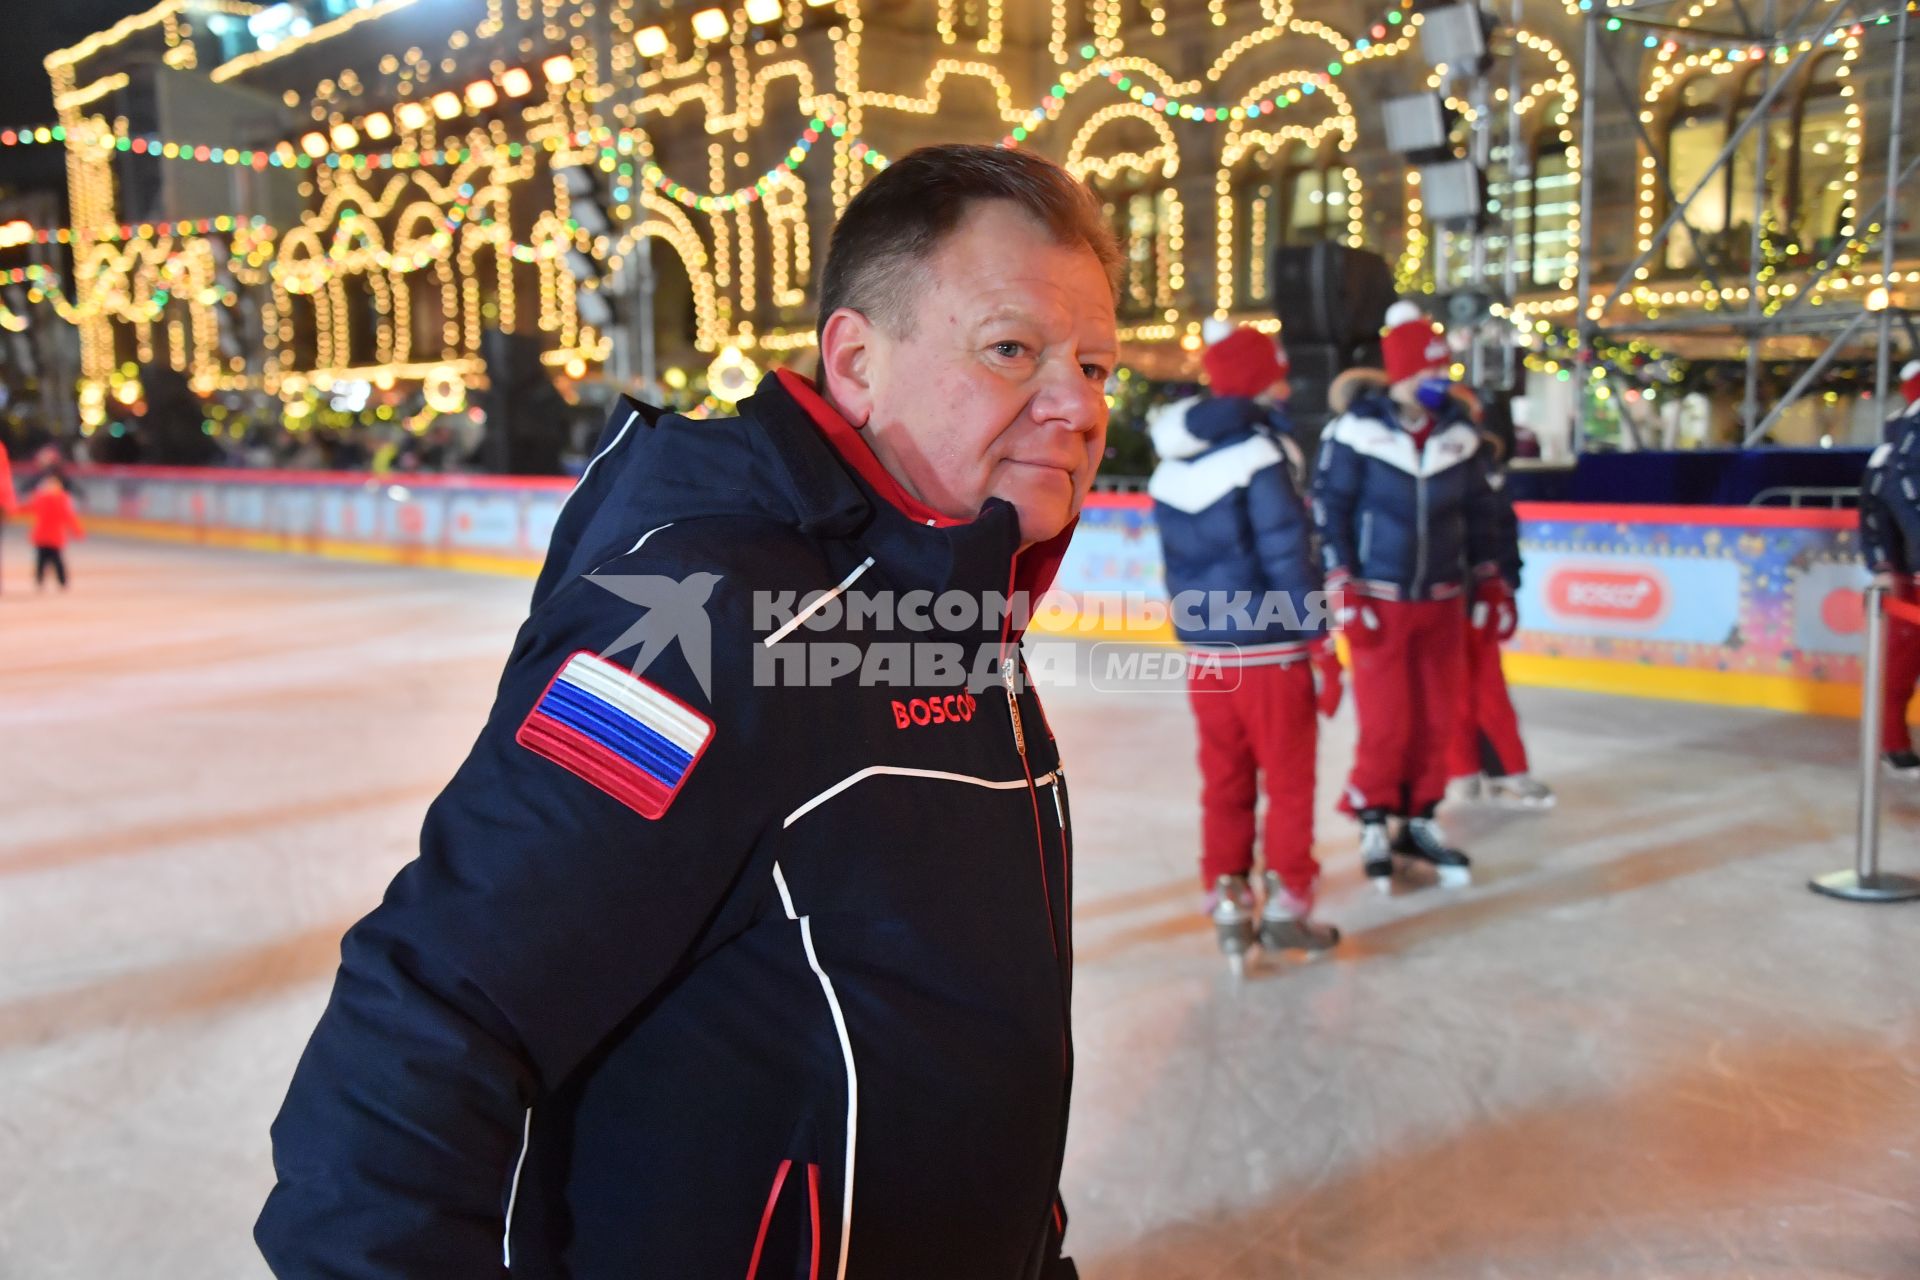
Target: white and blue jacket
[1890,498]
[1403,522]
[1233,528]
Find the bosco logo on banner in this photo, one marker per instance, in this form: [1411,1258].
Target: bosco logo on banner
[1633,596]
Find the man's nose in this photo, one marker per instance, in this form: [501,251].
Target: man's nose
[1069,399]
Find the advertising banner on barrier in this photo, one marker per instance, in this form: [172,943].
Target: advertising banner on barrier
[1750,606]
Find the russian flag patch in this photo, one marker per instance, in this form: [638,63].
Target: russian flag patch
[633,740]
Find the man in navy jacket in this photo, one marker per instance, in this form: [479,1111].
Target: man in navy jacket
[756,961]
[1409,531]
[1241,572]
[1890,542]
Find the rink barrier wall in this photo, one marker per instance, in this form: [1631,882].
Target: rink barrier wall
[1736,606]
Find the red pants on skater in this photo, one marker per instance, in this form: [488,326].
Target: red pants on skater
[1409,682]
[1257,726]
[1902,674]
[1489,738]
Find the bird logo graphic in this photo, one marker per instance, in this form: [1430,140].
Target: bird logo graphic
[676,609]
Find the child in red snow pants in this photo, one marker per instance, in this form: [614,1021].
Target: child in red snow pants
[1409,685]
[1901,675]
[1257,726]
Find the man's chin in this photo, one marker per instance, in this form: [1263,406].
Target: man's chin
[1042,522]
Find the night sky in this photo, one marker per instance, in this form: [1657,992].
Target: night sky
[35,28]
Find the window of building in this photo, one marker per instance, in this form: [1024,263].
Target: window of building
[1823,137]
[1695,133]
[1315,190]
[1146,221]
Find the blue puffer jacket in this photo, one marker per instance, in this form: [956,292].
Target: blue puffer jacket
[1890,499]
[1403,523]
[1233,528]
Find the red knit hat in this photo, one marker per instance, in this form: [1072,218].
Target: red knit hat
[1413,344]
[1244,363]
[1910,381]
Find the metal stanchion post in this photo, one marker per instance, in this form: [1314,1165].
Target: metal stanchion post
[1865,882]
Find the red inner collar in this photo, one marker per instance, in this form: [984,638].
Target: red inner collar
[857,453]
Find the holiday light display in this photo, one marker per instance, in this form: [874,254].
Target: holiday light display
[435,190]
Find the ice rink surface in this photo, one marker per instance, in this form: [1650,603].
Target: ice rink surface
[1636,1048]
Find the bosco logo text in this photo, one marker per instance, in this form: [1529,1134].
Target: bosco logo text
[1607,595]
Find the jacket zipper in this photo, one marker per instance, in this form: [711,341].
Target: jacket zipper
[1007,675]
[1366,540]
[1420,525]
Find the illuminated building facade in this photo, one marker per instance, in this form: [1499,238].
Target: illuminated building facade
[407,174]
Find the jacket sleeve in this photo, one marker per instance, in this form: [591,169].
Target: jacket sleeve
[540,913]
[1486,516]
[1283,534]
[1336,500]
[1880,543]
[1508,524]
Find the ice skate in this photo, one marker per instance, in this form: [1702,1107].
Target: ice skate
[1376,853]
[1901,764]
[1524,791]
[1286,923]
[1465,789]
[1422,840]
[1231,908]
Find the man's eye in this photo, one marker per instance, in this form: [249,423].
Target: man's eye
[1094,373]
[1011,350]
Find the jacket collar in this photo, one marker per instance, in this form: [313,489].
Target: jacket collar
[839,488]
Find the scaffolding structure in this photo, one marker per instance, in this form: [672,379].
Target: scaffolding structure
[1616,32]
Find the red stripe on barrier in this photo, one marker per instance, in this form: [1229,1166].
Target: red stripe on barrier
[1628,513]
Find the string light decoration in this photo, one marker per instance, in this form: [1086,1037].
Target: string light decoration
[1680,58]
[431,210]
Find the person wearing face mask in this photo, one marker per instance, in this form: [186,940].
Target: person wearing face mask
[1232,524]
[740,944]
[1890,543]
[1409,531]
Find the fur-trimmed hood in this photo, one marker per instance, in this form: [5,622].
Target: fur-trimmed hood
[1354,385]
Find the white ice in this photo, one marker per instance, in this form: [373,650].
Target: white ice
[1636,1048]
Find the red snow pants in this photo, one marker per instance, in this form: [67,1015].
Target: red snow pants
[1256,724]
[1489,737]
[1901,675]
[1409,690]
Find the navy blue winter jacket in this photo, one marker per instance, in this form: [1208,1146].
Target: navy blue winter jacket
[1890,499]
[1403,523]
[809,1021]
[1234,531]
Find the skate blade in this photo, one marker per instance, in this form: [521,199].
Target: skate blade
[1383,885]
[1290,936]
[1454,877]
[1237,963]
[1525,804]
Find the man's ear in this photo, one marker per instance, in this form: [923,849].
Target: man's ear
[846,364]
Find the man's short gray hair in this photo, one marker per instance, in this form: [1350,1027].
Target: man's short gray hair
[899,220]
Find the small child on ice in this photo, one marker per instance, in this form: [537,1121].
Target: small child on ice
[54,521]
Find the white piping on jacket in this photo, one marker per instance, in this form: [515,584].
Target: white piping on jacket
[513,1194]
[898,771]
[586,471]
[846,1056]
[787,628]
